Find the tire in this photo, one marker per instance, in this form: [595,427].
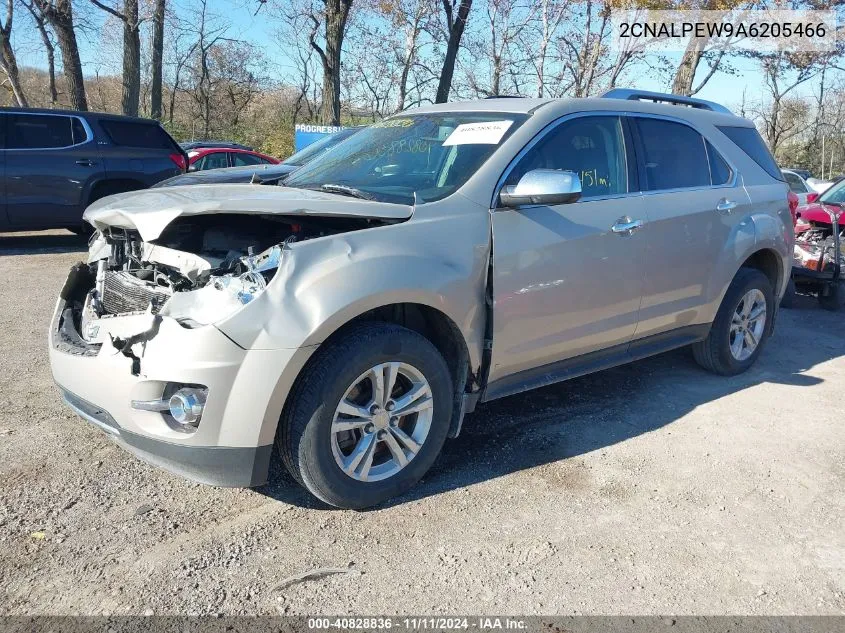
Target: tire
[313,453]
[790,299]
[714,353]
[834,299]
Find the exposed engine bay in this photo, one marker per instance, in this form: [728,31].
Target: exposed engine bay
[199,270]
[815,247]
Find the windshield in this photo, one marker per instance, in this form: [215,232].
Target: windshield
[834,195]
[310,152]
[425,156]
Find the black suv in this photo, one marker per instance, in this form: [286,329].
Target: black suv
[54,163]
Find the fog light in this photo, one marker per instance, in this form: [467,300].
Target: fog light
[186,405]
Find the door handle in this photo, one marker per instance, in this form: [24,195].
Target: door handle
[85,162]
[725,206]
[626,226]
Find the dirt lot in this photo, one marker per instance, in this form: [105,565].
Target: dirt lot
[652,488]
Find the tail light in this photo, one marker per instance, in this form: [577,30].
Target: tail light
[792,200]
[180,161]
[812,197]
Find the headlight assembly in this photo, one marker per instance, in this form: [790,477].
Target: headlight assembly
[225,294]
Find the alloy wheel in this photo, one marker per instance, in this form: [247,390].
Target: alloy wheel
[382,421]
[748,322]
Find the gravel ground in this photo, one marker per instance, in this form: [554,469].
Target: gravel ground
[651,488]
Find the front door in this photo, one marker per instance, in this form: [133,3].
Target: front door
[565,283]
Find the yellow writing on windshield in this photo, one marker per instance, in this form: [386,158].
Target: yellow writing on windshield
[394,123]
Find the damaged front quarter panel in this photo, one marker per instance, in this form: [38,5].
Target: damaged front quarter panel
[288,279]
[321,284]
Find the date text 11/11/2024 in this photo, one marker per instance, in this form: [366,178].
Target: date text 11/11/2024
[480,623]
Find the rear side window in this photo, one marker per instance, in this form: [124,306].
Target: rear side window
[78,131]
[720,171]
[215,160]
[240,159]
[674,155]
[135,134]
[749,141]
[41,131]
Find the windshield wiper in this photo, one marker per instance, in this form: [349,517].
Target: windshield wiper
[345,190]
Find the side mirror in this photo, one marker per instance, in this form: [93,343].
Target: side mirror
[192,167]
[542,186]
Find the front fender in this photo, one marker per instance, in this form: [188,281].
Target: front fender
[324,283]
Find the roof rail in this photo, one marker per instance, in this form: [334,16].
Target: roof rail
[629,94]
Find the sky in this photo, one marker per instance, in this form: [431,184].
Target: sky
[722,88]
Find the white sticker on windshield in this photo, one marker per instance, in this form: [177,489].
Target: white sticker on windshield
[487,133]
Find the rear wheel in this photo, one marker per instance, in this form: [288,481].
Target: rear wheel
[368,416]
[741,327]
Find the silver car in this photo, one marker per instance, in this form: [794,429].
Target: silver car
[446,256]
[799,187]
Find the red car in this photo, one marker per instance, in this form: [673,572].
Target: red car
[204,158]
[816,215]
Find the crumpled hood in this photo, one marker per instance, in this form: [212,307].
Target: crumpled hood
[151,210]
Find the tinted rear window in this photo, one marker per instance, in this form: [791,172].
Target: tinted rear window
[240,159]
[134,134]
[749,141]
[675,157]
[720,172]
[39,131]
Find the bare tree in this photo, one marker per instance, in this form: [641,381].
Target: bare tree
[335,14]
[8,61]
[49,48]
[549,16]
[456,13]
[782,116]
[157,59]
[59,13]
[506,19]
[582,49]
[408,17]
[299,28]
[131,53]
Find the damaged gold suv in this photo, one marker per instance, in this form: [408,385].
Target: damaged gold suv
[448,255]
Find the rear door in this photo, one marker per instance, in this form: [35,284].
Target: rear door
[694,202]
[140,150]
[51,162]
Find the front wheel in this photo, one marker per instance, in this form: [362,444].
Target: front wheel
[741,327]
[368,416]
